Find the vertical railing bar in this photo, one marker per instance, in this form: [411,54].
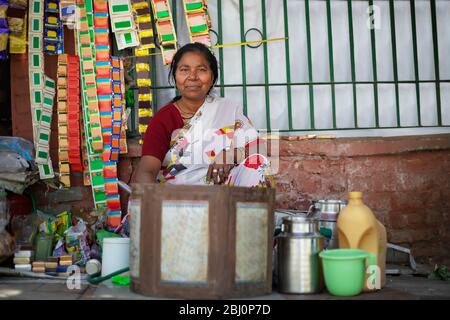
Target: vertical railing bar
[331,60]
[310,74]
[374,70]
[394,58]
[436,60]
[153,71]
[416,61]
[288,63]
[174,14]
[352,60]
[244,72]
[220,39]
[266,64]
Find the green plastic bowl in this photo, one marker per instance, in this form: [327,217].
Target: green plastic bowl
[344,271]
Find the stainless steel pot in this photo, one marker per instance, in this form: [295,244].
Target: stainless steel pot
[298,248]
[297,224]
[327,211]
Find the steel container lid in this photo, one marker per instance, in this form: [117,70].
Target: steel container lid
[296,224]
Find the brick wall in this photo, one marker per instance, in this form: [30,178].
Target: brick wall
[405,181]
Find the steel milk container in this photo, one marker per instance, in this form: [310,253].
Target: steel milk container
[299,244]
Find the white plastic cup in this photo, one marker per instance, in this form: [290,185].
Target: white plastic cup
[116,254]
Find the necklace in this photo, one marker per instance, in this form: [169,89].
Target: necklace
[184,115]
[186,118]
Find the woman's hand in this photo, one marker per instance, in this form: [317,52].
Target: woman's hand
[218,173]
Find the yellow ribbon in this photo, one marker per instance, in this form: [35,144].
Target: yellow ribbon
[227,45]
[246,43]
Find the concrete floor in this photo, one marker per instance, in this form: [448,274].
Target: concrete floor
[397,288]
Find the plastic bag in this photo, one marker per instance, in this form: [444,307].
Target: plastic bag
[7,245]
[13,162]
[19,145]
[24,229]
[60,249]
[63,222]
[6,240]
[76,242]
[47,222]
[95,252]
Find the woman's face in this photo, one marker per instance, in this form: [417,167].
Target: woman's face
[193,76]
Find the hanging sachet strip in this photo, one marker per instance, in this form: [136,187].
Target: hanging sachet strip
[53,29]
[43,147]
[42,90]
[103,71]
[103,64]
[91,115]
[36,62]
[110,164]
[144,24]
[198,21]
[117,98]
[17,23]
[123,136]
[142,54]
[73,113]
[63,141]
[166,32]
[144,92]
[122,24]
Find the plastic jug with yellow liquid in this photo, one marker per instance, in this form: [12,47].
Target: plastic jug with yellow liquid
[358,228]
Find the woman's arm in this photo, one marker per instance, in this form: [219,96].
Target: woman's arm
[147,170]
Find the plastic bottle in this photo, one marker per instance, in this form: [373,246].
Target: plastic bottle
[44,242]
[358,228]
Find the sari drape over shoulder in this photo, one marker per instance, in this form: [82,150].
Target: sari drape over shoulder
[219,124]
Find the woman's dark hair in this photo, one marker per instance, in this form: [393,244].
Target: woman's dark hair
[198,48]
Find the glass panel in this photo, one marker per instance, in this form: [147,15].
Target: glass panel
[251,242]
[184,241]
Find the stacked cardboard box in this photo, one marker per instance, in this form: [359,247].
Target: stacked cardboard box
[64,263]
[54,266]
[22,260]
[39,266]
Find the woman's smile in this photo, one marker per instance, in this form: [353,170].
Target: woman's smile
[193,87]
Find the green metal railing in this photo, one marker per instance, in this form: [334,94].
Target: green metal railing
[289,45]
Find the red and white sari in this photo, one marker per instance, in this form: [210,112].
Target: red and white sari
[218,124]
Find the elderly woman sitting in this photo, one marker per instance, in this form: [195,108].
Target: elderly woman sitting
[198,139]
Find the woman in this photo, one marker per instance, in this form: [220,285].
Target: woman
[198,139]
